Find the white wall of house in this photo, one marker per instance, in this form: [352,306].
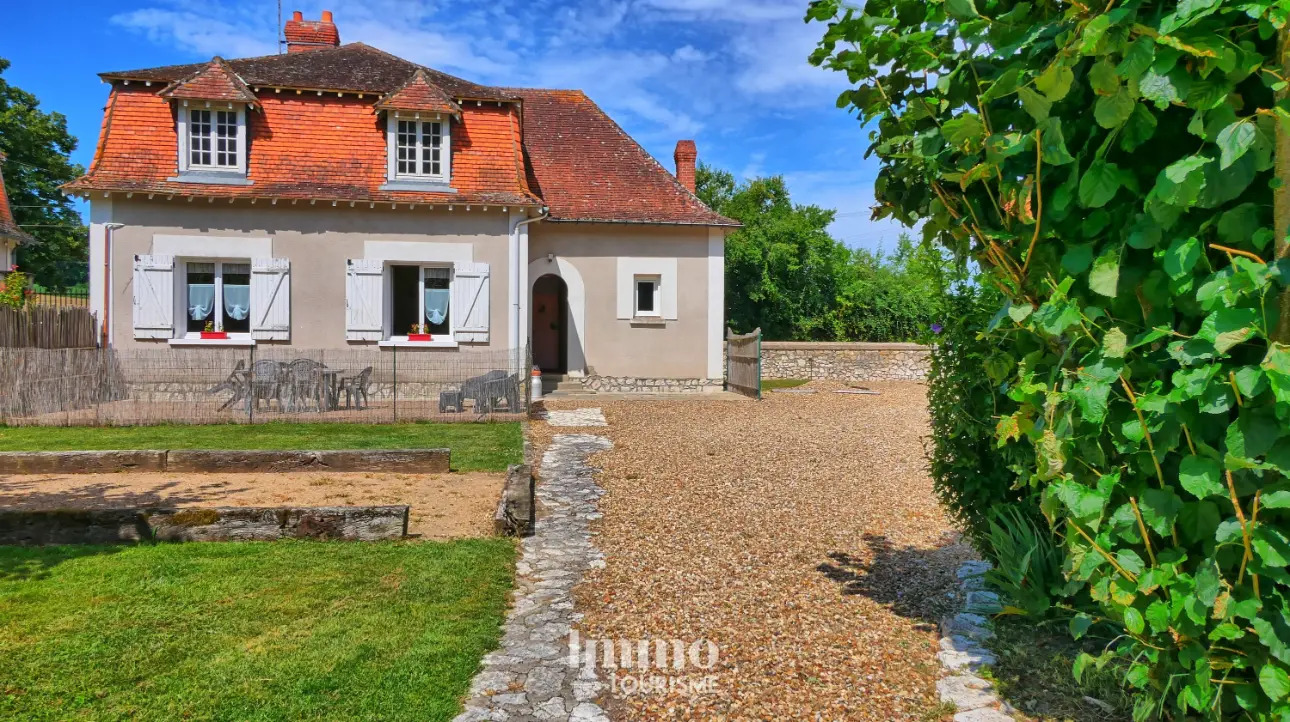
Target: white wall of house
[601,263]
[316,243]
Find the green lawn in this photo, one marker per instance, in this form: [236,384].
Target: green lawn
[767,384]
[248,631]
[475,446]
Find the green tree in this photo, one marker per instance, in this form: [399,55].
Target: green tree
[1111,166]
[787,275]
[784,271]
[38,147]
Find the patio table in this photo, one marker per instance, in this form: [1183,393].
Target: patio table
[331,385]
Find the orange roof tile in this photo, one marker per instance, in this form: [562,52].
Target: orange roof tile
[420,95]
[8,226]
[215,81]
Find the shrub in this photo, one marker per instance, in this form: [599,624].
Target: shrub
[971,472]
[1027,561]
[1113,168]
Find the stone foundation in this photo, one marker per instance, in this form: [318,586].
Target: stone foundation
[844,361]
[107,526]
[637,385]
[411,461]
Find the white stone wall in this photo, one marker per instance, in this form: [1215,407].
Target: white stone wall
[844,361]
[632,384]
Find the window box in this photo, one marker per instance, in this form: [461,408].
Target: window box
[423,337]
[214,335]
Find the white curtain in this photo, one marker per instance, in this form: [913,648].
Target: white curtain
[237,301]
[201,300]
[437,304]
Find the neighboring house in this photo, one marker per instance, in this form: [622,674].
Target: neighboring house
[11,236]
[335,196]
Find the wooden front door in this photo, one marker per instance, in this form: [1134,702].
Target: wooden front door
[550,298]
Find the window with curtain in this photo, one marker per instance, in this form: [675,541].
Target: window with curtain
[218,293]
[420,296]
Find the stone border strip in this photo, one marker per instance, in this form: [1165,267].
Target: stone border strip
[416,461]
[516,513]
[589,416]
[963,654]
[529,677]
[222,523]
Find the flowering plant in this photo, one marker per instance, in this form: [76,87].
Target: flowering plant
[420,328]
[14,288]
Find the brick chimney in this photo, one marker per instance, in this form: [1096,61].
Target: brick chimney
[685,156]
[302,35]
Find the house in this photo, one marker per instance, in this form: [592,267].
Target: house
[11,236]
[336,196]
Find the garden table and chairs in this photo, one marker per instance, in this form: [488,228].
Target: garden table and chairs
[300,385]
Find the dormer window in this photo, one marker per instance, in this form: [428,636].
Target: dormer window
[212,139]
[419,148]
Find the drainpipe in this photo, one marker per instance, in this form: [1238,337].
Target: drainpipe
[518,262]
[108,228]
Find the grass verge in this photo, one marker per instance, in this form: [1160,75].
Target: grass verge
[475,447]
[782,383]
[1034,674]
[248,631]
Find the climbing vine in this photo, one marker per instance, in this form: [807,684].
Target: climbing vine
[1113,166]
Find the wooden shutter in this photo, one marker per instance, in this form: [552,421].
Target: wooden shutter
[271,299]
[154,296]
[470,291]
[364,299]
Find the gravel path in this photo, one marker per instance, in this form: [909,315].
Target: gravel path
[800,534]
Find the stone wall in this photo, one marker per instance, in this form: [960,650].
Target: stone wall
[107,526]
[844,361]
[636,385]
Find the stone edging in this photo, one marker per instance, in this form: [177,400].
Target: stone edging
[530,677]
[222,523]
[516,513]
[418,461]
[963,654]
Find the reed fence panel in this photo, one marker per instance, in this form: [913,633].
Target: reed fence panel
[259,384]
[38,326]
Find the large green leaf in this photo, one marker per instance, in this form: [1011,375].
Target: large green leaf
[962,9]
[1099,184]
[1228,327]
[1035,104]
[1181,257]
[1055,82]
[1159,509]
[1234,141]
[1275,682]
[1105,276]
[1112,111]
[1201,477]
[1052,143]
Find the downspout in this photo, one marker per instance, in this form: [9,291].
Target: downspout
[108,228]
[517,290]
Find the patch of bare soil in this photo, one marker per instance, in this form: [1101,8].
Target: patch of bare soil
[800,534]
[444,506]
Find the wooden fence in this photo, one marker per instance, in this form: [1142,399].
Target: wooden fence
[743,363]
[48,327]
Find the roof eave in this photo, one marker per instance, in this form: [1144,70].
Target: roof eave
[711,224]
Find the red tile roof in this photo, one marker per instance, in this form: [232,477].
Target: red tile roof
[588,169]
[317,146]
[306,147]
[215,81]
[8,226]
[419,95]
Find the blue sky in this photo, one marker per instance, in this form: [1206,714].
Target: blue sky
[730,74]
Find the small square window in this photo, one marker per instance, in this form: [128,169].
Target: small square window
[647,296]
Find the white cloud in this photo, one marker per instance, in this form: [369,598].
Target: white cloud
[200,34]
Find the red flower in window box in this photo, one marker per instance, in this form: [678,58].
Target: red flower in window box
[214,335]
[419,332]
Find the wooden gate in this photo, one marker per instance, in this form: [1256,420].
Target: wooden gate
[743,363]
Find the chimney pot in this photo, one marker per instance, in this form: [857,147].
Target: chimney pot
[685,156]
[302,34]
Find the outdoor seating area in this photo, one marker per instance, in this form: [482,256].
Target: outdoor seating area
[300,385]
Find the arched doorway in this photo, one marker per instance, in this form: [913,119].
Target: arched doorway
[550,324]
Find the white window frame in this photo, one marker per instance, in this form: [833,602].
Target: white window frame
[185,157]
[445,147]
[181,301]
[451,335]
[657,281]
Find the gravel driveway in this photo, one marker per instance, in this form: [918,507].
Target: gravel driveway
[800,534]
